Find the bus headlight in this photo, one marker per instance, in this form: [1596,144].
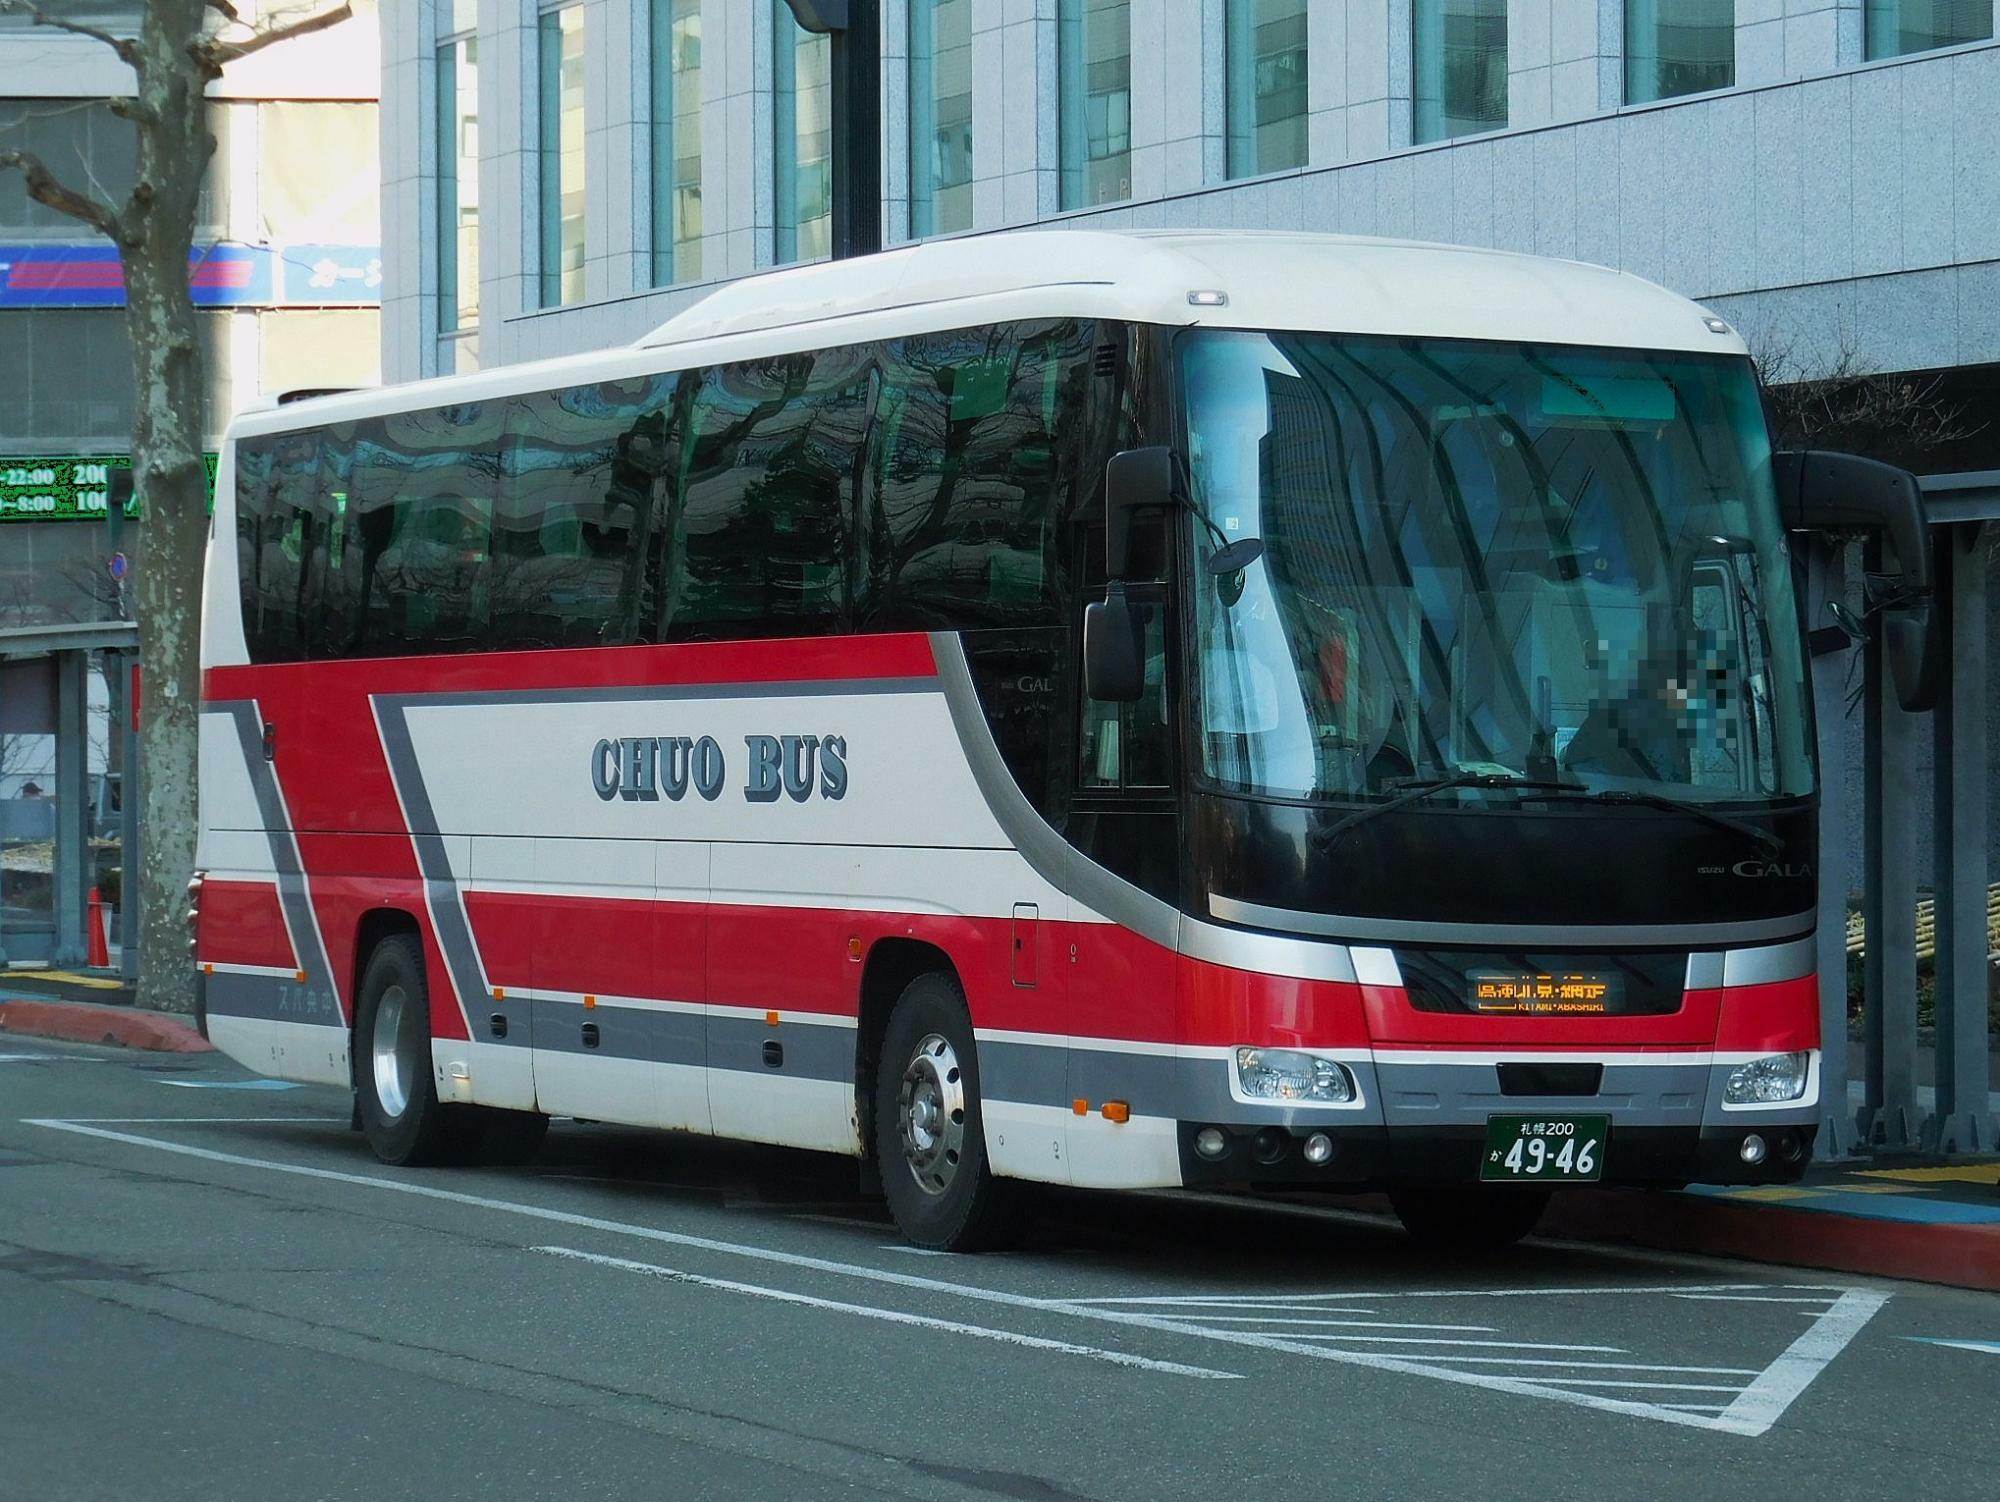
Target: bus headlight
[1287,1074]
[1768,1081]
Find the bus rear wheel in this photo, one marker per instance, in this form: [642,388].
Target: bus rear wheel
[403,1119]
[930,1141]
[1468,1219]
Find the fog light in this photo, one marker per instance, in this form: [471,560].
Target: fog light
[1752,1151]
[1768,1081]
[1269,1145]
[1791,1147]
[1319,1149]
[1210,1142]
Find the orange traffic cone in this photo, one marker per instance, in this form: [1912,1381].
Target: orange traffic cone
[100,946]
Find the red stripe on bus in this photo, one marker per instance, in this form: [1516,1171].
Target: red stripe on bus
[243,923]
[1781,1017]
[813,659]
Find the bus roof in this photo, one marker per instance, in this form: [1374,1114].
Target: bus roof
[1243,279]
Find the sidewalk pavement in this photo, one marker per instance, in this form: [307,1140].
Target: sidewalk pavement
[1934,1221]
[80,1007]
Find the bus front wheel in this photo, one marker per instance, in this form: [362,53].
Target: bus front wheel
[930,1141]
[1468,1220]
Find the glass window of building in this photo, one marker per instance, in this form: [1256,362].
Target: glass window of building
[458,170]
[802,93]
[1094,60]
[1897,27]
[1675,47]
[1459,59]
[676,142]
[940,116]
[560,79]
[1265,53]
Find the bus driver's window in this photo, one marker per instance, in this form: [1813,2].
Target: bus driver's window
[1125,745]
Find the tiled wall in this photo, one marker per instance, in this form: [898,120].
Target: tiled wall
[1825,202]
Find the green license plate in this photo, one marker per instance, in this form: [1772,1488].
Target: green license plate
[1545,1149]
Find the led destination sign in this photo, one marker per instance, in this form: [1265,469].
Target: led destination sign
[1533,994]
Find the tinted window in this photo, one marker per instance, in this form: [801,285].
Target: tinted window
[980,435]
[281,527]
[420,512]
[584,487]
[766,497]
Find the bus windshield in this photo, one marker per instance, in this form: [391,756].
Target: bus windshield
[1486,563]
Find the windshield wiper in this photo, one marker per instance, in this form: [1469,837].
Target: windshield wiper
[1417,789]
[1767,841]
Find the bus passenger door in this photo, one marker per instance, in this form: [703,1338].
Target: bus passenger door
[1122,1019]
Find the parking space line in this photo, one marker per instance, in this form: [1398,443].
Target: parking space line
[1752,1414]
[1771,1392]
[1356,1324]
[891,1316]
[1426,1340]
[1619,1366]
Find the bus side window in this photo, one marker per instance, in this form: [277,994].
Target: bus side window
[583,474]
[1125,745]
[968,476]
[766,492]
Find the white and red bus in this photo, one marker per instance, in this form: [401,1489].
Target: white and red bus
[1105,709]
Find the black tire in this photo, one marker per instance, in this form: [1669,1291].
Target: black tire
[1470,1220]
[930,1138]
[411,1127]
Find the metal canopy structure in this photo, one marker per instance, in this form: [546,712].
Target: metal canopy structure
[1892,1117]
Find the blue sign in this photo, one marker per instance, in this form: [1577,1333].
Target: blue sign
[219,276]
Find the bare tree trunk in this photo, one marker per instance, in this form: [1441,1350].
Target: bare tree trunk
[170,477]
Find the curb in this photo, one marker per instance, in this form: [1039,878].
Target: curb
[76,1022]
[1958,1256]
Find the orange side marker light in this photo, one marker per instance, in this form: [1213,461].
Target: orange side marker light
[589,1002]
[1081,1107]
[770,1019]
[499,993]
[1117,1112]
[299,976]
[854,947]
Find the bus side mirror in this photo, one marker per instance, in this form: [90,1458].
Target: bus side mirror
[1819,491]
[1114,659]
[1133,478]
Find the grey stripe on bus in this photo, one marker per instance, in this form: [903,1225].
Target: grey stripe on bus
[444,897]
[272,998]
[1397,930]
[1466,1094]
[293,899]
[1046,852]
[1778,962]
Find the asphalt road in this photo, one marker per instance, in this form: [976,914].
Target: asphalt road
[209,1291]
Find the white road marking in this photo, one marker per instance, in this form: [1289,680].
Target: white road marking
[1636,1382]
[1757,1298]
[232,1084]
[1980,1347]
[1772,1391]
[893,1316]
[1616,1366]
[1355,1324]
[206,1120]
[1416,1340]
[51,1058]
[1748,1417]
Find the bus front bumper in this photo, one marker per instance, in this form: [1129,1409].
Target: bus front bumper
[1361,1158]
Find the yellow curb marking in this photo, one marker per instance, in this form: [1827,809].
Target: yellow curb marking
[1969,1173]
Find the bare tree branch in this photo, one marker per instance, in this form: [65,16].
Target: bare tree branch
[120,45]
[45,188]
[215,53]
